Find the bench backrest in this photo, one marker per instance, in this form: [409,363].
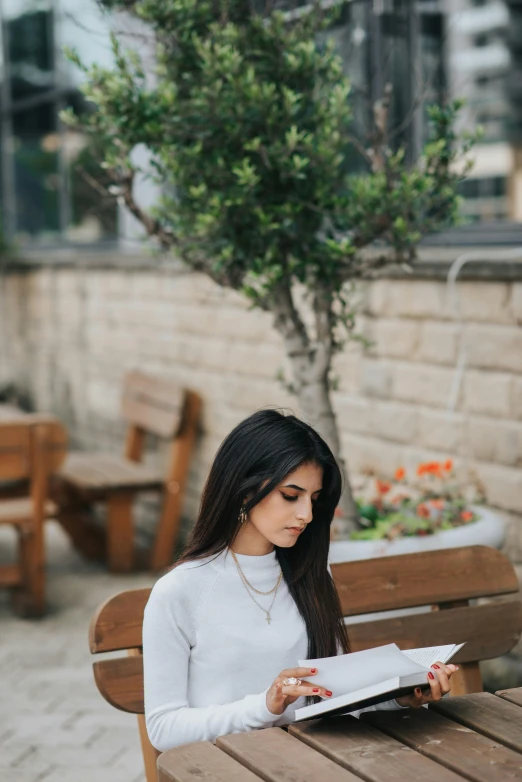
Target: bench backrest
[152,404]
[18,444]
[447,580]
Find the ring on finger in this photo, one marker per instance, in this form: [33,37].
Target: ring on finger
[292,682]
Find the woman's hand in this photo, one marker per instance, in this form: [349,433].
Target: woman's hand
[281,695]
[439,681]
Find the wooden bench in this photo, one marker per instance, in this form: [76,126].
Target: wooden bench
[30,452]
[446,580]
[150,406]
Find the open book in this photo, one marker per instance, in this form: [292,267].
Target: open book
[375,675]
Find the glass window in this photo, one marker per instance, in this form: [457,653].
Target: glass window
[30,48]
[37,179]
[51,184]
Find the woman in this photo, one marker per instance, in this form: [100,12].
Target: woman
[252,592]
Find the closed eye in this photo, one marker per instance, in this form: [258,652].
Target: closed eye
[289,497]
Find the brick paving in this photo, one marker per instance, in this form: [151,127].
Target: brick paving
[54,725]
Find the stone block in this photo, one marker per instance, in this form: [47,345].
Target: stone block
[393,421]
[346,368]
[376,378]
[362,453]
[438,343]
[407,298]
[103,398]
[489,393]
[441,430]
[517,398]
[66,282]
[503,485]
[354,413]
[494,347]
[485,301]
[392,337]
[262,361]
[516,302]
[421,384]
[512,547]
[495,441]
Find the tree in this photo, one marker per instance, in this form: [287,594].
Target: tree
[248,125]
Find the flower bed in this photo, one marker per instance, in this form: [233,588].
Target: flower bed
[432,511]
[434,502]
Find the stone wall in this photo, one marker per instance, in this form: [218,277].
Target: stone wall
[69,334]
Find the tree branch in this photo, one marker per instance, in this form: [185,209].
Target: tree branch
[153,226]
[291,327]
[378,149]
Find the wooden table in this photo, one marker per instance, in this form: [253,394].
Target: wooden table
[473,737]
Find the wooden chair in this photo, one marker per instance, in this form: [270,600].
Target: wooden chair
[29,452]
[150,405]
[447,580]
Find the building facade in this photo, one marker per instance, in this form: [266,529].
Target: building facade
[52,187]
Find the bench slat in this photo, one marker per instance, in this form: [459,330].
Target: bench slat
[153,404]
[117,623]
[357,746]
[431,577]
[120,681]
[489,630]
[201,761]
[91,472]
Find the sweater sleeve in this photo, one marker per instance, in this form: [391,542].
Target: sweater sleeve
[169,718]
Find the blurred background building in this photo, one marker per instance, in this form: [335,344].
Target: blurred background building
[52,187]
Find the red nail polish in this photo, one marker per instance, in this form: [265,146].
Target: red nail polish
[315,690]
[328,693]
[436,666]
[313,670]
[430,675]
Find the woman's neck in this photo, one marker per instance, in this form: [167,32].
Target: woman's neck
[249,541]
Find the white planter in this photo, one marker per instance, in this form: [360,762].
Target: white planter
[488,530]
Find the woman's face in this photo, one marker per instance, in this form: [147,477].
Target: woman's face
[282,515]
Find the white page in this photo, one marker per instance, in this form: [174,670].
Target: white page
[351,672]
[430,654]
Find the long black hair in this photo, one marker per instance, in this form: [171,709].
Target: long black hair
[251,461]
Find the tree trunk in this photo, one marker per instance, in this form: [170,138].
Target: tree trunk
[316,406]
[310,369]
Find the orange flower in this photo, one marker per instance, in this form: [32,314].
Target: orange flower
[400,474]
[421,469]
[437,504]
[383,487]
[448,465]
[434,468]
[466,515]
[423,511]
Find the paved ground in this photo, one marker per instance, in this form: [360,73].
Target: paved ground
[54,725]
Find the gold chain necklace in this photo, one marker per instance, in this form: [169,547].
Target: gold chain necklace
[247,582]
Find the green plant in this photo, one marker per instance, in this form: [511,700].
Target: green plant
[249,128]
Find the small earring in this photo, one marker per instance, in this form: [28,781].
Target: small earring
[242,515]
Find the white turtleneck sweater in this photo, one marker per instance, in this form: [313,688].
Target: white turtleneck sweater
[209,655]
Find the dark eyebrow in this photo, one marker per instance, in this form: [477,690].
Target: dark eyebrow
[299,488]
